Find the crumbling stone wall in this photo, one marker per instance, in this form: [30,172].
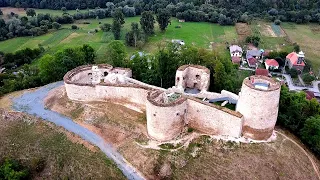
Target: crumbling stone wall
[193,76]
[165,121]
[255,118]
[212,119]
[259,107]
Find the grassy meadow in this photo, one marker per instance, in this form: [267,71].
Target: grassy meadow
[308,37]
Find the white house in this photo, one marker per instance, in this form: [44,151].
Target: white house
[271,64]
[235,51]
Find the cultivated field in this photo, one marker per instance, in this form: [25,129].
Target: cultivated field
[50,152]
[199,34]
[272,36]
[308,37]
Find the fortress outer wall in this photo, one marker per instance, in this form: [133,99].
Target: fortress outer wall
[212,119]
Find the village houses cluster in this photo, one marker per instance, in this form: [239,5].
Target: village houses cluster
[254,59]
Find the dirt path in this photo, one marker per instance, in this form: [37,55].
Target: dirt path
[315,167]
[32,103]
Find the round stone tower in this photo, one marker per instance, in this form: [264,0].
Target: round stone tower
[259,103]
[166,115]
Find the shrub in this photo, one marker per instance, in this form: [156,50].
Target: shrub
[74,27]
[11,169]
[293,73]
[307,78]
[277,22]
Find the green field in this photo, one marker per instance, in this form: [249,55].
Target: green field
[199,34]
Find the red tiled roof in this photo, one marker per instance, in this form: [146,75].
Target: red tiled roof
[236,60]
[293,57]
[252,61]
[262,72]
[309,95]
[272,62]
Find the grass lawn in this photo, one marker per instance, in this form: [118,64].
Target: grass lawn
[199,34]
[49,153]
[308,37]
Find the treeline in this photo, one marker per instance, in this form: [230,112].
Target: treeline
[35,25]
[217,11]
[301,117]
[50,68]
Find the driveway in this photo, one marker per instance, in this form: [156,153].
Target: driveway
[32,103]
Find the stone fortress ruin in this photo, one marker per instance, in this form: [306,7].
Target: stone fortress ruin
[187,104]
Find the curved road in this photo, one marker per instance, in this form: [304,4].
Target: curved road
[32,103]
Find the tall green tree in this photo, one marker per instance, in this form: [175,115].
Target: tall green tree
[117,22]
[219,76]
[310,133]
[147,22]
[135,37]
[163,18]
[31,12]
[168,62]
[117,54]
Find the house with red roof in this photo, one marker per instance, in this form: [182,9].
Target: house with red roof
[271,64]
[236,60]
[296,61]
[262,72]
[252,62]
[309,95]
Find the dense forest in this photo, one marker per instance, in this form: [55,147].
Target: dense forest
[217,11]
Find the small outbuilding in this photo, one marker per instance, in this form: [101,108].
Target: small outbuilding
[271,64]
[262,72]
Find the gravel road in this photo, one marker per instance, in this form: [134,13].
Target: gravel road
[32,103]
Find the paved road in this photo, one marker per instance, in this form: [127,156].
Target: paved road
[32,103]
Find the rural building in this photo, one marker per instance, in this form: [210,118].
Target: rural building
[296,61]
[187,104]
[262,72]
[252,62]
[254,54]
[236,60]
[271,64]
[235,51]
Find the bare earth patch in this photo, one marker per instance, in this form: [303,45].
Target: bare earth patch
[243,30]
[8,10]
[203,158]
